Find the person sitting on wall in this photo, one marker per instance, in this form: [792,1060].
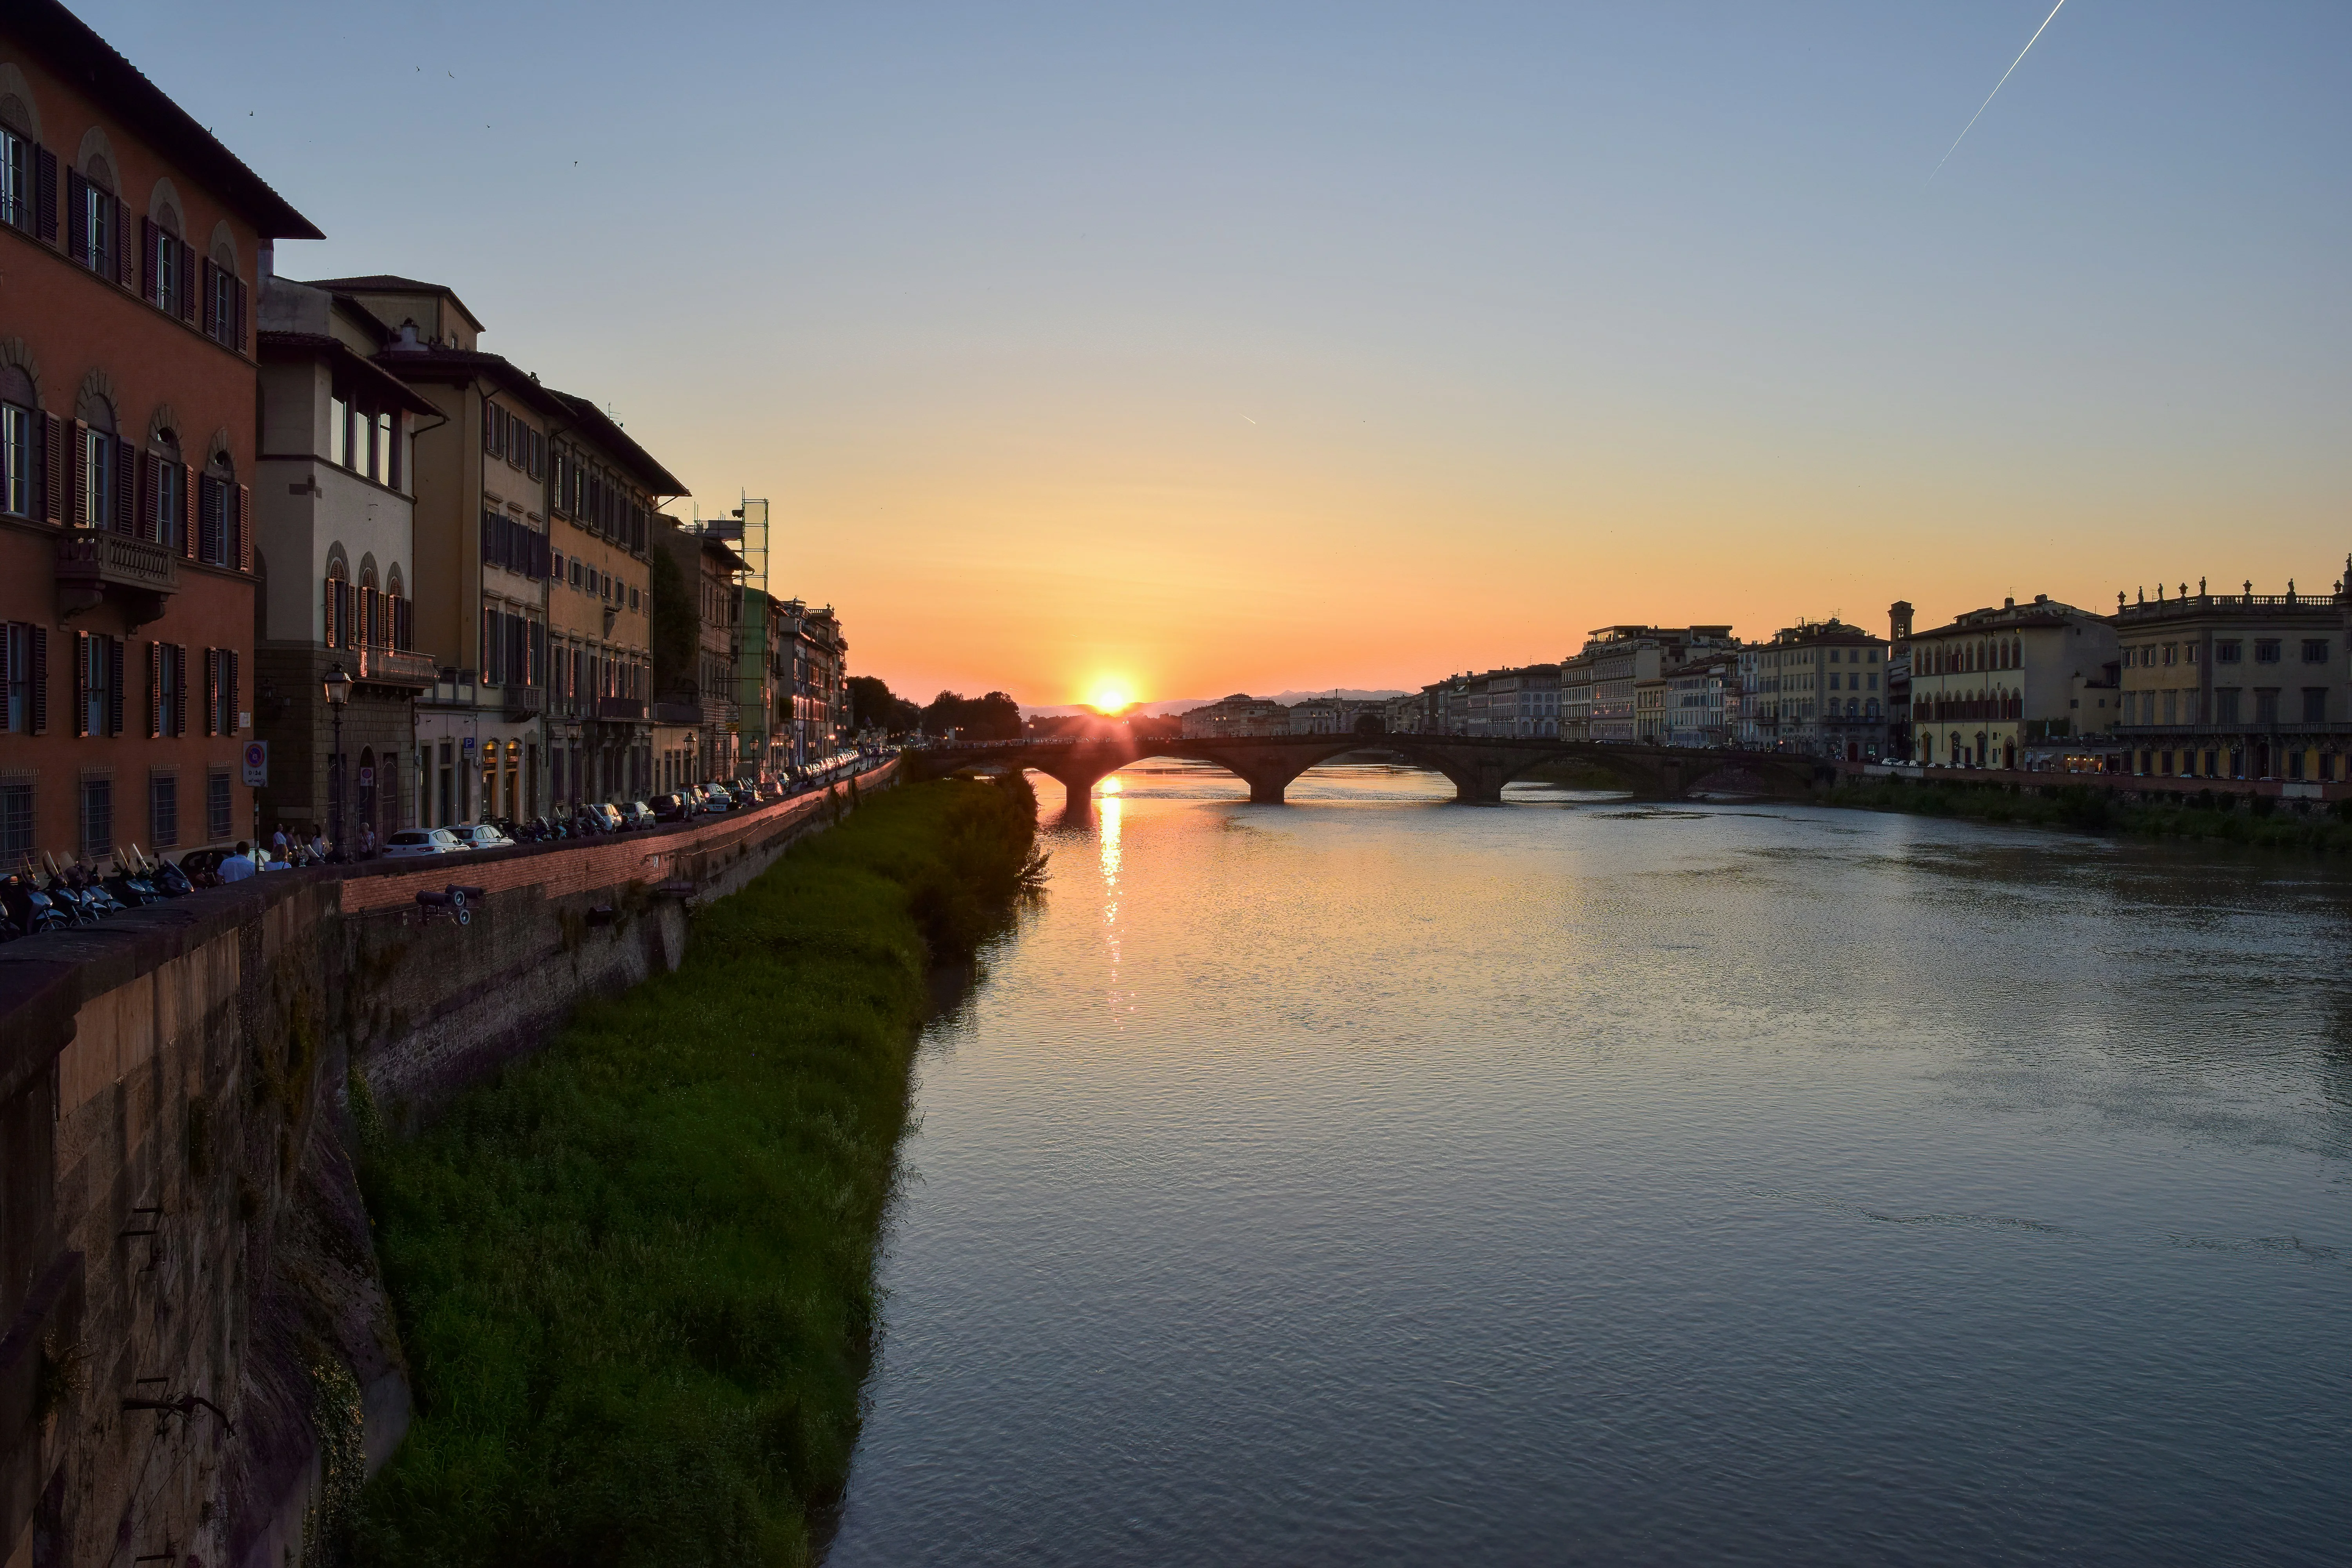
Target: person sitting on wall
[239,866]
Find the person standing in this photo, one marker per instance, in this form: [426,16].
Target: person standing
[239,866]
[277,843]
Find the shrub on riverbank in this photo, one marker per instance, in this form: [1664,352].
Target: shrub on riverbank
[635,1274]
[2211,814]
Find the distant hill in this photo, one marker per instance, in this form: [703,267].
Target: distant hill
[1172,705]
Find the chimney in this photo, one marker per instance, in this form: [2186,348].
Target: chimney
[1899,621]
[2009,603]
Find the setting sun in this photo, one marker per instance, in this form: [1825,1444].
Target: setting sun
[1108,697]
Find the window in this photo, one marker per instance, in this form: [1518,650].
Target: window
[18,460]
[2225,705]
[2229,652]
[633,597]
[2266,707]
[167,522]
[100,473]
[163,809]
[2266,650]
[16,821]
[217,815]
[167,675]
[2171,653]
[97,818]
[2314,650]
[220,525]
[221,692]
[24,679]
[98,680]
[15,179]
[339,433]
[94,220]
[223,305]
[2314,705]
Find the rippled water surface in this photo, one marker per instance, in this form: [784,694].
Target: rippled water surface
[1373,1180]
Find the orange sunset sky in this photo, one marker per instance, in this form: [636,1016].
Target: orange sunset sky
[1216,348]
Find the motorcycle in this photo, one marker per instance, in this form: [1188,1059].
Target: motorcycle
[171,881]
[26,910]
[130,885]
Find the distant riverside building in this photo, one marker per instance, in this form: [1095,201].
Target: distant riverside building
[1518,703]
[1702,702]
[1597,684]
[1240,715]
[1331,715]
[1898,679]
[2240,685]
[1818,688]
[1997,681]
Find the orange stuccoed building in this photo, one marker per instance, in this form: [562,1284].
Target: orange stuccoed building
[131,248]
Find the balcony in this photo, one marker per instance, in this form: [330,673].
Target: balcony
[524,701]
[678,713]
[621,707]
[93,565]
[396,666]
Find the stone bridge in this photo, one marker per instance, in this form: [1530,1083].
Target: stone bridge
[1479,767]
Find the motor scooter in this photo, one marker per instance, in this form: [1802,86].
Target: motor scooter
[171,881]
[129,885]
[28,911]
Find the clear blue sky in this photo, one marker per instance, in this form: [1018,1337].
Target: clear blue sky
[1223,347]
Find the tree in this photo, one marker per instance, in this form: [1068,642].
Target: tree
[874,706]
[995,717]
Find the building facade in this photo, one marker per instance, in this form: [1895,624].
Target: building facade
[817,654]
[1702,701]
[1995,681]
[1819,687]
[131,245]
[1597,684]
[1239,715]
[2235,686]
[714,574]
[334,519]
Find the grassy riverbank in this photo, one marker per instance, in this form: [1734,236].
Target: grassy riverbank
[2261,823]
[635,1274]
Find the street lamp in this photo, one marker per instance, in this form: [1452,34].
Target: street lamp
[337,687]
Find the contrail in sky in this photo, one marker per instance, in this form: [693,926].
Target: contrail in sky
[1972,125]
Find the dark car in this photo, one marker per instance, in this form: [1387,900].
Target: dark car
[200,863]
[671,809]
[636,814]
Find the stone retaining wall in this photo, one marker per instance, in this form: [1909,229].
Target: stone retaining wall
[180,1225]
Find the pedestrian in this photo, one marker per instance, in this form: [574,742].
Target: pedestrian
[239,866]
[367,841]
[318,847]
[277,843]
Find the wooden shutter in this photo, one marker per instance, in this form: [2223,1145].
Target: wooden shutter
[330,605]
[149,512]
[45,195]
[126,469]
[229,713]
[77,217]
[122,257]
[40,681]
[81,683]
[179,689]
[114,686]
[78,502]
[189,491]
[150,253]
[237,329]
[212,324]
[244,498]
[154,689]
[190,305]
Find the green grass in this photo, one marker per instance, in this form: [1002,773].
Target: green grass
[634,1275]
[2261,823]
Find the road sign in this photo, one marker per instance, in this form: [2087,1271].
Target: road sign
[367,778]
[468,746]
[257,762]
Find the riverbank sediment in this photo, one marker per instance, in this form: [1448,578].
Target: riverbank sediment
[2256,822]
[633,1276]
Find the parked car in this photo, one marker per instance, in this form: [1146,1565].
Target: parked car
[419,841]
[636,814]
[671,809]
[715,801]
[479,836]
[202,864]
[602,816]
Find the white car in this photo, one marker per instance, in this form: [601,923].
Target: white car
[422,841]
[479,835]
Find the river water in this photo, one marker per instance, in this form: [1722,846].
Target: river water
[1373,1180]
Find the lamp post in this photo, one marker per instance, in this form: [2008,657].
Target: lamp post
[337,687]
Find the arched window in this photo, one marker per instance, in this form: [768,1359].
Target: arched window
[221,532]
[164,492]
[21,443]
[101,494]
[338,605]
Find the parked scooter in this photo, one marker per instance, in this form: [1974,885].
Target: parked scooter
[129,884]
[170,880]
[25,909]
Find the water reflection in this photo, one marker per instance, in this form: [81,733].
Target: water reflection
[1582,1182]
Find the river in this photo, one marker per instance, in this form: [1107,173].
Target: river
[1371,1179]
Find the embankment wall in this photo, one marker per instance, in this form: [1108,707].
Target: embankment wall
[197,1363]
